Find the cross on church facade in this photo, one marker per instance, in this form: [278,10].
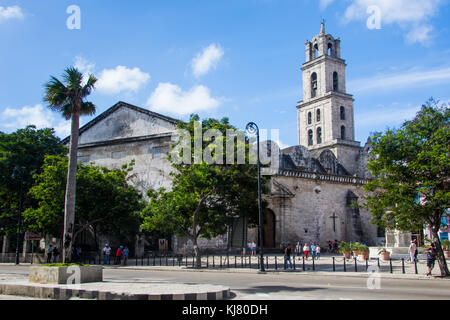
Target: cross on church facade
[334,217]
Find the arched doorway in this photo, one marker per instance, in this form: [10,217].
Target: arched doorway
[269,229]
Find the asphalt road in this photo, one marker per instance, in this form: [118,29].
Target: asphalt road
[280,286]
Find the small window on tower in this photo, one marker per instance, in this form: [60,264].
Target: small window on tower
[316,51]
[318,115]
[335,81]
[330,49]
[342,113]
[310,137]
[309,118]
[313,85]
[343,132]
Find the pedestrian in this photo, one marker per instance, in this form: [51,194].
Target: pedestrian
[306,250]
[318,251]
[79,253]
[49,253]
[330,246]
[243,251]
[106,254]
[125,256]
[249,247]
[431,258]
[287,257]
[119,255]
[417,252]
[412,251]
[298,249]
[253,248]
[313,251]
[55,254]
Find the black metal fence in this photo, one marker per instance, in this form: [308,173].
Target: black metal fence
[271,262]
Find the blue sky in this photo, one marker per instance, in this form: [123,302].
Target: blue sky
[223,58]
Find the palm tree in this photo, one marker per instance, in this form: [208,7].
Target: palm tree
[68,99]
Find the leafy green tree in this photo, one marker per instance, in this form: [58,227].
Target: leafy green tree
[409,160]
[69,100]
[105,203]
[204,196]
[25,148]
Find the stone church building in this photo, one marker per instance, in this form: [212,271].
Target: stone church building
[311,194]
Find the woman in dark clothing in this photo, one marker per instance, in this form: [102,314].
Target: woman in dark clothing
[431,258]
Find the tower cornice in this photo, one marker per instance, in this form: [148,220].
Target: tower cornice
[327,96]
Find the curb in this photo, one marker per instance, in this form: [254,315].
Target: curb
[66,293]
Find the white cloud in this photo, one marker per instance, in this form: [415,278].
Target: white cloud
[412,16]
[325,3]
[206,60]
[14,12]
[37,115]
[407,79]
[168,97]
[120,79]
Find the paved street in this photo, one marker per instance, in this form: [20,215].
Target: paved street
[276,286]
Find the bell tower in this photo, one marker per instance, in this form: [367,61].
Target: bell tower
[325,115]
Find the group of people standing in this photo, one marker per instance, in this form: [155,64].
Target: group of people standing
[52,252]
[251,249]
[307,249]
[122,253]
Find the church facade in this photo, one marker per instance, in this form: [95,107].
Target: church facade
[311,193]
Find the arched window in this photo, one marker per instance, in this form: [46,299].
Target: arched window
[342,113]
[309,118]
[319,135]
[330,49]
[313,85]
[335,81]
[310,137]
[343,132]
[316,51]
[318,115]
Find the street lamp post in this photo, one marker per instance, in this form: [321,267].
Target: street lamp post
[253,128]
[18,172]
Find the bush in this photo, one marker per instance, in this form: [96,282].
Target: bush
[344,247]
[445,244]
[355,246]
[64,265]
[363,248]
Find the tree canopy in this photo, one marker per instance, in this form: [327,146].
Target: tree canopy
[407,161]
[25,148]
[204,195]
[105,203]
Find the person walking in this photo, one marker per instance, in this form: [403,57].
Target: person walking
[298,249]
[313,251]
[431,258]
[119,255]
[49,253]
[412,251]
[306,250]
[318,251]
[125,256]
[287,256]
[330,246]
[417,252]
[106,254]
[253,248]
[55,254]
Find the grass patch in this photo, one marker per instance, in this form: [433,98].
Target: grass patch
[64,265]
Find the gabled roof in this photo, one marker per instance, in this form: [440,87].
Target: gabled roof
[113,109]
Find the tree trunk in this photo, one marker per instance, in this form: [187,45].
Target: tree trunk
[69,204]
[440,255]
[198,257]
